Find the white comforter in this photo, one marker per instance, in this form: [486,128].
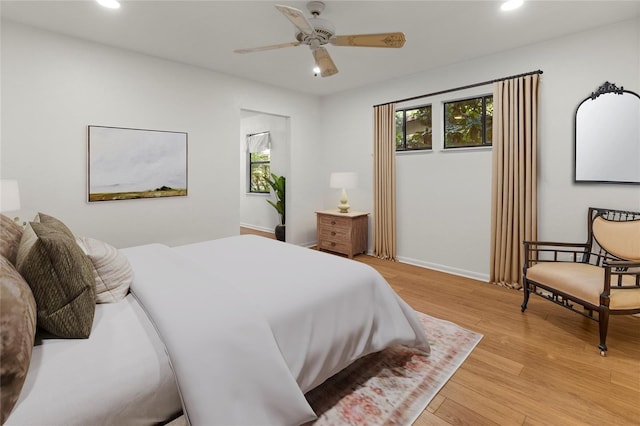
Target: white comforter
[251,324]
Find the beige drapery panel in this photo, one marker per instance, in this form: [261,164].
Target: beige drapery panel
[514,207]
[384,182]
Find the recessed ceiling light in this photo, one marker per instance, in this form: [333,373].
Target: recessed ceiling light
[111,4]
[316,71]
[511,4]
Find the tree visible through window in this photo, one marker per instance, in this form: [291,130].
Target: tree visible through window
[259,170]
[413,128]
[468,122]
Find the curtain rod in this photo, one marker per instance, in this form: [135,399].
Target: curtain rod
[255,134]
[460,88]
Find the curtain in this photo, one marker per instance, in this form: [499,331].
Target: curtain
[258,142]
[384,182]
[514,178]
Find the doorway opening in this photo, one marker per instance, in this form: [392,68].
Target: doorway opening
[271,155]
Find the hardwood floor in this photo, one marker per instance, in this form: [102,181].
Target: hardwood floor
[541,367]
[245,231]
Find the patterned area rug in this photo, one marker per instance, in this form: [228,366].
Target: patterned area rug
[391,387]
[394,386]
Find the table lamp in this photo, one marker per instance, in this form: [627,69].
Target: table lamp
[9,195]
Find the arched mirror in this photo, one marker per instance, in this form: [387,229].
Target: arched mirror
[607,136]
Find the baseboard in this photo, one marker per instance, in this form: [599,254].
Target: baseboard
[444,268]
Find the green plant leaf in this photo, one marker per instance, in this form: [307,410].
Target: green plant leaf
[278,184]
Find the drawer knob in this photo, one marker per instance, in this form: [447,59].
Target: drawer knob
[333,244]
[333,222]
[333,233]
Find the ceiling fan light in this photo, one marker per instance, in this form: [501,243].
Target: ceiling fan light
[511,5]
[110,4]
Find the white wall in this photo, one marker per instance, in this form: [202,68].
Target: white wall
[255,212]
[53,86]
[444,197]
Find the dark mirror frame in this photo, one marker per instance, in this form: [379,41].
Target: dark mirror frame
[606,88]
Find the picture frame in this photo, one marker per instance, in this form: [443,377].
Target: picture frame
[125,163]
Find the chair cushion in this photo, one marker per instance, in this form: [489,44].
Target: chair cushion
[622,239]
[585,282]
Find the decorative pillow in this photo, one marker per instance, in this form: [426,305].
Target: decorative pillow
[10,234]
[61,279]
[17,329]
[54,223]
[111,269]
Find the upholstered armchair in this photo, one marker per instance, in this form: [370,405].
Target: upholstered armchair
[601,275]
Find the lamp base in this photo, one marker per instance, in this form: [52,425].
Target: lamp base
[344,202]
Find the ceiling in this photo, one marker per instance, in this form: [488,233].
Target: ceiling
[205,33]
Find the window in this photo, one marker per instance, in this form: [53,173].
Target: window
[468,122]
[259,169]
[413,128]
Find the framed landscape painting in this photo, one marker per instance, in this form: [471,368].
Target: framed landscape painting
[125,164]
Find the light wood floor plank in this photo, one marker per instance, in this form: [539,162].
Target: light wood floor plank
[540,367]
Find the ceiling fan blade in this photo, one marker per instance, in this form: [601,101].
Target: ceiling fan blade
[369,40]
[324,62]
[297,18]
[271,47]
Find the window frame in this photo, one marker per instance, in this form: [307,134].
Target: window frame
[250,168]
[483,143]
[404,128]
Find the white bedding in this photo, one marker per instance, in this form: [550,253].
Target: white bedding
[120,375]
[325,311]
[250,325]
[263,322]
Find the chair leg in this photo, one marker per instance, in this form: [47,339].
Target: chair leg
[525,290]
[603,320]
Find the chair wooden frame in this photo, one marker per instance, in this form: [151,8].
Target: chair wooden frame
[614,272]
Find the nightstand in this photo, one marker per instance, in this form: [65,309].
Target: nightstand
[345,233]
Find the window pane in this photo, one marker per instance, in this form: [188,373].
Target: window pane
[399,130]
[257,176]
[260,156]
[463,123]
[419,128]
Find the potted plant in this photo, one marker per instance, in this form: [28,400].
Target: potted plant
[277,184]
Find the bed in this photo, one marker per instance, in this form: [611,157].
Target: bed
[226,340]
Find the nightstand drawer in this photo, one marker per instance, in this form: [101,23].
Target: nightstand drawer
[334,221]
[335,234]
[344,248]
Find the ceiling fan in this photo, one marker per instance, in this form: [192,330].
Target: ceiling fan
[315,32]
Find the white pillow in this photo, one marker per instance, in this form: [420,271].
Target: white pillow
[111,269]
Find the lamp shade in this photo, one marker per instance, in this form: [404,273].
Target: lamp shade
[9,195]
[346,180]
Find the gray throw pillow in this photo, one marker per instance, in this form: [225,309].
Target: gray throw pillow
[17,329]
[61,279]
